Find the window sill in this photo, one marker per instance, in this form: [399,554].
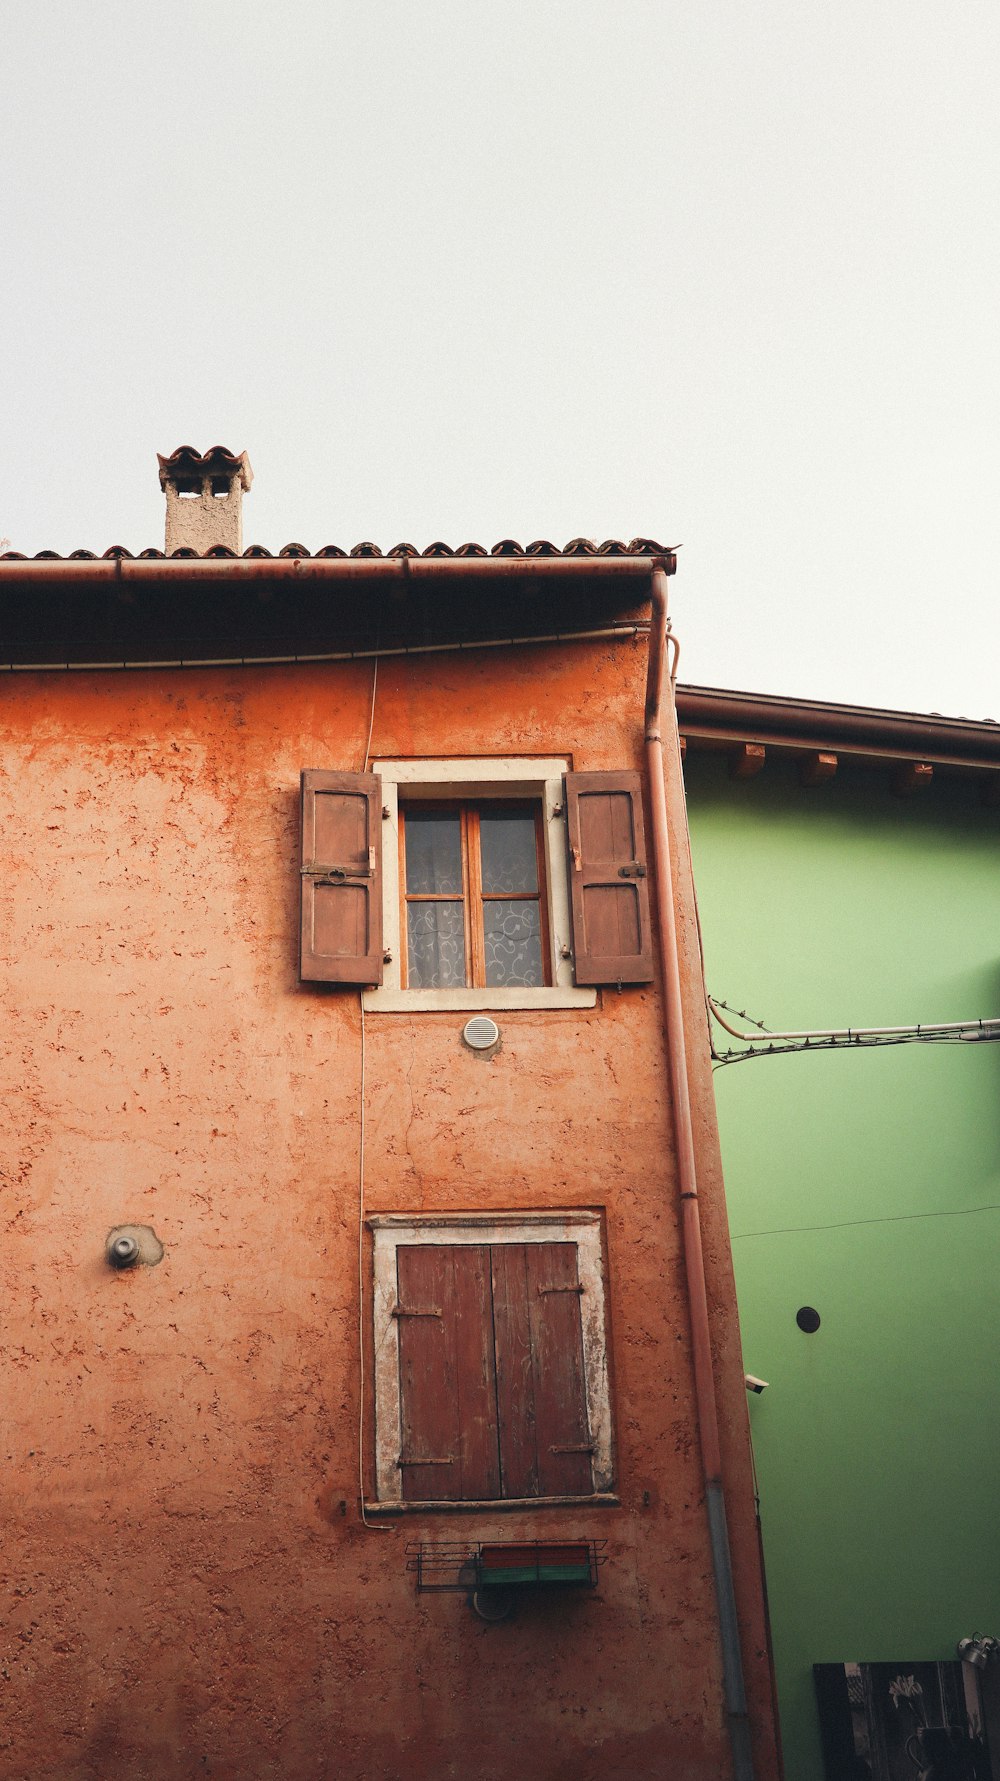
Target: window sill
[429,1001]
[494,1505]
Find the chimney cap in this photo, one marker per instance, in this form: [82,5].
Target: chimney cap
[217,461]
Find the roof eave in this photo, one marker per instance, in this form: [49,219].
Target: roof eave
[714,718]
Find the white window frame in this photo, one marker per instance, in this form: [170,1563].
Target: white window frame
[390,1229]
[540,779]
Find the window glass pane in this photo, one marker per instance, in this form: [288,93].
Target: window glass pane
[435,945]
[507,844]
[513,934]
[433,851]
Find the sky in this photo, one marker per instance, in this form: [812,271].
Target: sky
[718,273]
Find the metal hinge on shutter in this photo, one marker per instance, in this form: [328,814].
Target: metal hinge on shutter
[544,1289]
[450,1461]
[585,1447]
[338,874]
[407,1311]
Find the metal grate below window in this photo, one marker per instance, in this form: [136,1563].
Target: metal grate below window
[456,1565]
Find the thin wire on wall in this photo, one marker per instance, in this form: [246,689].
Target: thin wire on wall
[850,1224]
[374,1527]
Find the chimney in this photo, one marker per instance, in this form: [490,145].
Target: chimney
[204,498]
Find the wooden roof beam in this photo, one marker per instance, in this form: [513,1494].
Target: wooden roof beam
[817,768]
[912,776]
[746,760]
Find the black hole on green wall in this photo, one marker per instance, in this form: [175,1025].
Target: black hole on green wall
[807,1319]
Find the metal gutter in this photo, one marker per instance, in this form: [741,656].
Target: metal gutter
[167,571]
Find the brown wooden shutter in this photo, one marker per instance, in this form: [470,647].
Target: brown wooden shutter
[545,1447]
[447,1379]
[341,878]
[609,895]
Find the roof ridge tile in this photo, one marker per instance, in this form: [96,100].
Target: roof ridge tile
[505,547]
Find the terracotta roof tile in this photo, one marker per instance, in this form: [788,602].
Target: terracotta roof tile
[218,460]
[507,547]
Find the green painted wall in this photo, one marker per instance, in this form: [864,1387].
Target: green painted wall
[868,1186]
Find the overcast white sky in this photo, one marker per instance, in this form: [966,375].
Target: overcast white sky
[719,272]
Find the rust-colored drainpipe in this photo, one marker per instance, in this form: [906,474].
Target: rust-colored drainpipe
[694,1264]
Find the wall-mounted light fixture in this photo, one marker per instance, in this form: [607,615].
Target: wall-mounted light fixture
[978,1650]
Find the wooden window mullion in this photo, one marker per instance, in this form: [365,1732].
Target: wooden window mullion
[404,948]
[543,895]
[474,868]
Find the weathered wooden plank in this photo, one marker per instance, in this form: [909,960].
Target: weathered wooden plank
[564,1451]
[515,1371]
[448,1447]
[544,1437]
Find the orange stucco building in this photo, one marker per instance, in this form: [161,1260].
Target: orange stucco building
[314,1295]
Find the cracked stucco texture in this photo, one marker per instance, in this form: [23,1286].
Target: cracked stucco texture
[190,1590]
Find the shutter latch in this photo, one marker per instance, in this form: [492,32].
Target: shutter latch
[633,871]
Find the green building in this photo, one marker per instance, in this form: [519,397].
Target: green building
[847,864]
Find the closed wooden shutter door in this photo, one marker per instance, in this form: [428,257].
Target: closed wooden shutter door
[341,878]
[545,1445]
[612,941]
[448,1401]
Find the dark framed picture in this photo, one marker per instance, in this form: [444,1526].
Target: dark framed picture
[905,1722]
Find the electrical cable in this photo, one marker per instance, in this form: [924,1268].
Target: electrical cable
[850,1224]
[721,1058]
[371,715]
[916,1028]
[962,1032]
